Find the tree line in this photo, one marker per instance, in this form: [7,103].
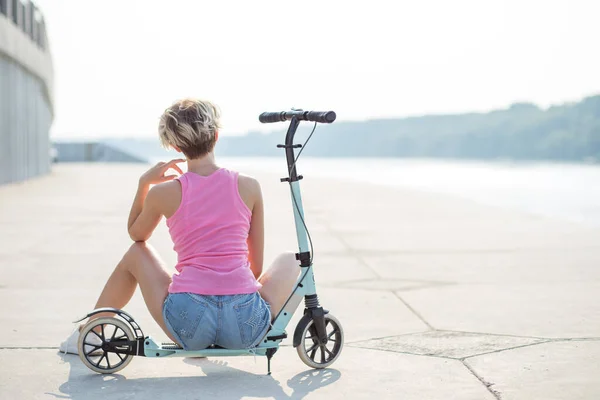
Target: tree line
[523,131]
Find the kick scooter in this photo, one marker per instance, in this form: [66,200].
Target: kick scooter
[107,345]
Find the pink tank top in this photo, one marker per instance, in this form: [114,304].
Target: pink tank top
[209,232]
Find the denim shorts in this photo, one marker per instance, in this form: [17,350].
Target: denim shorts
[197,321]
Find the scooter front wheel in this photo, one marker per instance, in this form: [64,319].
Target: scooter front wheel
[93,338]
[321,355]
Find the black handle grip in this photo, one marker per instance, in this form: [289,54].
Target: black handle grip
[325,117]
[268,117]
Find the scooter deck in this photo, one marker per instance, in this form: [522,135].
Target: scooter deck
[169,349]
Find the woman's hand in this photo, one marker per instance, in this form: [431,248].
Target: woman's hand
[156,174]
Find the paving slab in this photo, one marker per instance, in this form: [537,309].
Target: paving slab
[388,284]
[366,314]
[43,318]
[553,265]
[380,219]
[341,270]
[447,344]
[549,371]
[359,373]
[421,283]
[557,310]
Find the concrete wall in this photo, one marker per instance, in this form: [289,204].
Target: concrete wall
[26,92]
[92,152]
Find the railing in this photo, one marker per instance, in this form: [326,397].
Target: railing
[27,17]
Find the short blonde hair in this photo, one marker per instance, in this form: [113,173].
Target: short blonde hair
[191,126]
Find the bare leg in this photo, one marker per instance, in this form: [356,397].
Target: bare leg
[140,265]
[278,281]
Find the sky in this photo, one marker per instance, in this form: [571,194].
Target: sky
[119,64]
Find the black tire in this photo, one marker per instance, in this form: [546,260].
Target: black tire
[327,353]
[91,352]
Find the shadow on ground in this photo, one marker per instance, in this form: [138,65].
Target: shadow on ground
[218,380]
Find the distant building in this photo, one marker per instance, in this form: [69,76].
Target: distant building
[26,92]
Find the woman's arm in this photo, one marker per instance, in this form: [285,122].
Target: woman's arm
[146,210]
[138,204]
[256,235]
[145,213]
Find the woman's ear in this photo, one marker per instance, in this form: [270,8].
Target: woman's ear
[216,136]
[177,149]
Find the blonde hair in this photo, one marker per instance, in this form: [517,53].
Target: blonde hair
[191,126]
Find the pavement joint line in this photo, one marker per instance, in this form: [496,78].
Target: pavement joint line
[495,334]
[427,286]
[387,337]
[488,385]
[349,249]
[356,343]
[406,352]
[471,333]
[501,350]
[461,359]
[414,311]
[549,339]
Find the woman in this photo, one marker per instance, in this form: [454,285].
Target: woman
[219,294]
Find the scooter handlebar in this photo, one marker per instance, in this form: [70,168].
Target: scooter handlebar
[325,117]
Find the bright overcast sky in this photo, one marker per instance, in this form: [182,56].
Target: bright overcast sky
[119,64]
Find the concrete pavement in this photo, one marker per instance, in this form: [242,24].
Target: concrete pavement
[440,298]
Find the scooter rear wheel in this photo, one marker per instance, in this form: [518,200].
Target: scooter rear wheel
[94,335]
[321,355]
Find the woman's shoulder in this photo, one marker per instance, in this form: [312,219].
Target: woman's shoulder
[168,188]
[249,189]
[247,181]
[167,196]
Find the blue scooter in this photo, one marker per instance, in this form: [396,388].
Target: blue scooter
[107,345]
